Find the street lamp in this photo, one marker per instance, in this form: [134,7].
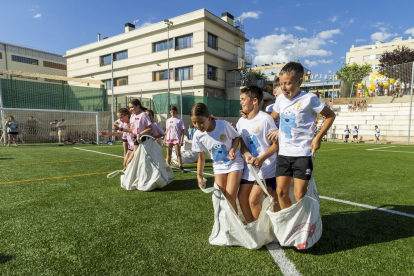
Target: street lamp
[169,23]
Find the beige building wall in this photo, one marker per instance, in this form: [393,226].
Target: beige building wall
[23,53]
[371,54]
[142,62]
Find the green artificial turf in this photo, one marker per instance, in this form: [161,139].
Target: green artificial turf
[83,224]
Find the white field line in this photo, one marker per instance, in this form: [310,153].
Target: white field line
[382,148]
[100,152]
[397,151]
[368,206]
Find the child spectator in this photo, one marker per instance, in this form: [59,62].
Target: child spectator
[220,141]
[377,135]
[174,136]
[355,135]
[297,111]
[346,134]
[12,130]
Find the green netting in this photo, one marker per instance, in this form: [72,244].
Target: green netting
[41,95]
[217,107]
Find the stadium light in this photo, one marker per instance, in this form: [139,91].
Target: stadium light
[169,23]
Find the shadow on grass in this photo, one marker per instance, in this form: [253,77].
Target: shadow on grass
[5,258]
[348,230]
[6,158]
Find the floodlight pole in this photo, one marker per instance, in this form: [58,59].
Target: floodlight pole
[169,23]
[411,105]
[2,116]
[112,91]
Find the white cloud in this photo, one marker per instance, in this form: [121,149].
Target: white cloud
[251,14]
[297,5]
[300,28]
[326,61]
[332,41]
[381,36]
[360,40]
[333,18]
[378,24]
[383,29]
[279,48]
[410,31]
[328,34]
[283,30]
[347,23]
[37,15]
[342,57]
[311,63]
[276,29]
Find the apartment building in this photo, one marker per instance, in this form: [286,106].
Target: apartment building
[15,59]
[372,53]
[199,45]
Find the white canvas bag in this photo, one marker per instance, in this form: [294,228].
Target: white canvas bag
[229,228]
[187,155]
[148,169]
[300,225]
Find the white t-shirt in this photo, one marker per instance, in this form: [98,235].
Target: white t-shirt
[346,131]
[296,123]
[253,132]
[217,145]
[377,132]
[355,132]
[174,127]
[269,108]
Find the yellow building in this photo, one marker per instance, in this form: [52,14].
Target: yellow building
[202,47]
[17,58]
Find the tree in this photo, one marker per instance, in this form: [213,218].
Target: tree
[353,73]
[395,64]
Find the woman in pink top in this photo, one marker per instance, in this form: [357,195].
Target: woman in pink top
[174,136]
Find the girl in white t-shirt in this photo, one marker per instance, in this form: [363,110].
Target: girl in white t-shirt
[220,140]
[157,132]
[174,136]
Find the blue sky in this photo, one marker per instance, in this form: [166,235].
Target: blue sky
[319,32]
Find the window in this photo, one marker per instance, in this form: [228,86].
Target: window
[121,55]
[107,83]
[184,42]
[367,58]
[54,65]
[106,60]
[378,56]
[121,81]
[186,72]
[1,55]
[87,60]
[351,60]
[212,41]
[162,75]
[211,72]
[25,60]
[162,45]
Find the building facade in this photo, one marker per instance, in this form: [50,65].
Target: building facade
[199,45]
[371,54]
[15,59]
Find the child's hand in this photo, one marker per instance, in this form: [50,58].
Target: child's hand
[316,144]
[102,132]
[201,182]
[232,155]
[251,160]
[258,162]
[243,114]
[248,157]
[273,135]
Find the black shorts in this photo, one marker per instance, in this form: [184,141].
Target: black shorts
[355,136]
[124,141]
[270,182]
[347,136]
[299,167]
[12,133]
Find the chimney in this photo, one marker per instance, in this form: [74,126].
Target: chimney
[228,18]
[129,27]
[99,36]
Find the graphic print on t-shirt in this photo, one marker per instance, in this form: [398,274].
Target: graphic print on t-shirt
[219,153]
[253,145]
[287,123]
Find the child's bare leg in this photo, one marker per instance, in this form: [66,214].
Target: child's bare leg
[229,185]
[255,201]
[300,188]
[283,187]
[125,146]
[244,194]
[169,152]
[178,152]
[276,205]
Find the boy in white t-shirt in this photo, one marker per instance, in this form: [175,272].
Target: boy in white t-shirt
[257,150]
[276,92]
[346,134]
[297,111]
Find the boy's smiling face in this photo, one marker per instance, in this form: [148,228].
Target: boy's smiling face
[290,85]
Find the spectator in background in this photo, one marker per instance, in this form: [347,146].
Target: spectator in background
[61,127]
[53,130]
[407,88]
[190,132]
[377,135]
[402,89]
[346,134]
[390,89]
[31,128]
[12,130]
[355,135]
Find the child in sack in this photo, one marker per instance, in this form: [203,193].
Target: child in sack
[257,150]
[220,140]
[297,111]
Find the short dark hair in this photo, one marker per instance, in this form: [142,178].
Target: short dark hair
[151,112]
[293,68]
[124,111]
[253,92]
[173,107]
